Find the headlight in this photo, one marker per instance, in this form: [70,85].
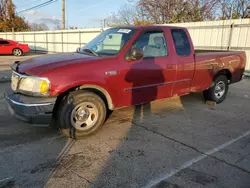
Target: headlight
[34,86]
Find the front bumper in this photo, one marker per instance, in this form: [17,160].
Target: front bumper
[35,110]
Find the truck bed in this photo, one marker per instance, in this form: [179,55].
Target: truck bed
[210,62]
[202,52]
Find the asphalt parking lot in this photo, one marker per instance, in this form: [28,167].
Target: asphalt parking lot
[174,143]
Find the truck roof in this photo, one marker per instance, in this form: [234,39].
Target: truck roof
[151,27]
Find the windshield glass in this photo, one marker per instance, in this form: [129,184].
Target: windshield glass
[109,42]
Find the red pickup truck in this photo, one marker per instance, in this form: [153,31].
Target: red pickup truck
[121,67]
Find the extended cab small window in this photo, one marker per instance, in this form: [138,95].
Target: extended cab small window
[181,42]
[152,43]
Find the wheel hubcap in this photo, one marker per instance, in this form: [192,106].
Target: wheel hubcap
[17,52]
[220,89]
[84,116]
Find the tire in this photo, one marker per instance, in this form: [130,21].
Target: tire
[17,52]
[81,114]
[218,91]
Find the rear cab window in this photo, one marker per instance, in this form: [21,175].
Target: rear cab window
[153,44]
[181,42]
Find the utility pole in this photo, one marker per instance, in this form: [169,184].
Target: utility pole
[63,14]
[101,24]
[104,23]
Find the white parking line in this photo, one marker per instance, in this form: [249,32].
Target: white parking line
[5,179]
[195,160]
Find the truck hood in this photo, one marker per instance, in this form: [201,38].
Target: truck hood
[41,64]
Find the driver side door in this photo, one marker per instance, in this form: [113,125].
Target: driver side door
[149,78]
[5,47]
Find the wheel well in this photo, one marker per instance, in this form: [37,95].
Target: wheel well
[225,72]
[61,97]
[99,93]
[18,49]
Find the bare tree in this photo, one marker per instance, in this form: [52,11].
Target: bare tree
[124,16]
[172,11]
[57,24]
[201,10]
[143,12]
[39,27]
[247,12]
[73,27]
[141,18]
[234,9]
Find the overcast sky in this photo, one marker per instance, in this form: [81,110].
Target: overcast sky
[80,13]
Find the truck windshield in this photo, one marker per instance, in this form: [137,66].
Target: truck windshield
[109,42]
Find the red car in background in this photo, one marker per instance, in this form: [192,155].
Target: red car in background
[12,47]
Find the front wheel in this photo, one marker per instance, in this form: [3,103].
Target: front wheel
[82,113]
[218,91]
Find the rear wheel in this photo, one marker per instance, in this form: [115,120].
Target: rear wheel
[82,113]
[218,91]
[17,52]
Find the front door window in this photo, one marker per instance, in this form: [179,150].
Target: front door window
[152,43]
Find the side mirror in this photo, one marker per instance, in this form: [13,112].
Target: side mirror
[78,49]
[136,54]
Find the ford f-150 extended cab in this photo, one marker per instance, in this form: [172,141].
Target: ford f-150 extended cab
[120,67]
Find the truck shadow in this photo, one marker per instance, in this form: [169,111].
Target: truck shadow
[132,158]
[148,148]
[143,152]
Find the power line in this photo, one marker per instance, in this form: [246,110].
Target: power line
[23,5]
[92,6]
[39,6]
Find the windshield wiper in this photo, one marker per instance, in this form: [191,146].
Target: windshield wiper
[91,51]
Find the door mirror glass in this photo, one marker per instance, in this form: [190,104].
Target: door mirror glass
[136,54]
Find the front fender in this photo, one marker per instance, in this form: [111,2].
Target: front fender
[97,84]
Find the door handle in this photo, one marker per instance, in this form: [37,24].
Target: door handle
[111,73]
[170,66]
